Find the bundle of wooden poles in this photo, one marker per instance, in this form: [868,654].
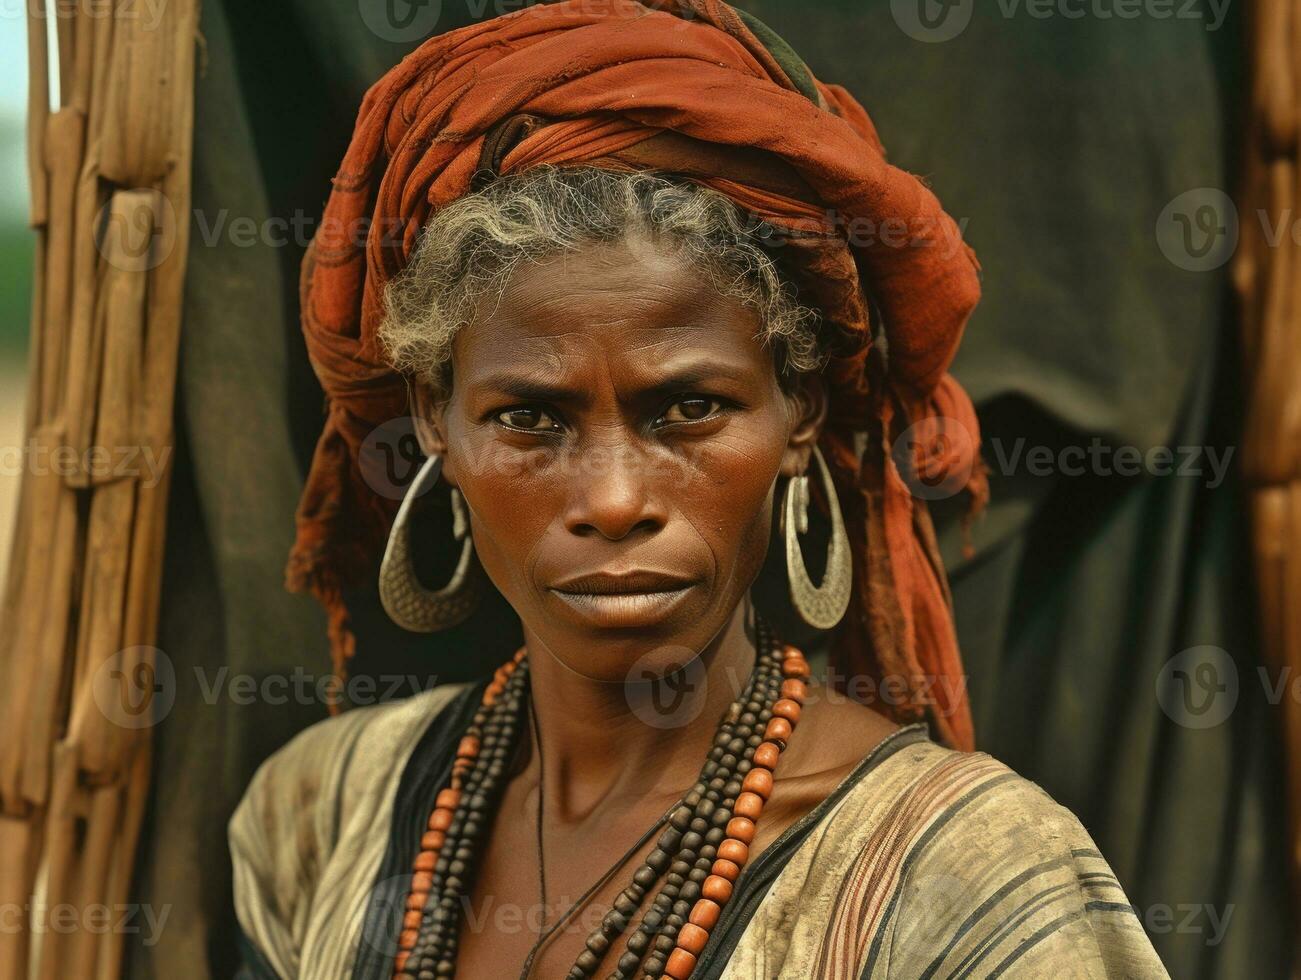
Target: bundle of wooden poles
[1267,279]
[110,181]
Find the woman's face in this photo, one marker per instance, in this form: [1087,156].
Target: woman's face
[617,431]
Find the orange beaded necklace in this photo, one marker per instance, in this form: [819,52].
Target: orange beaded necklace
[703,851]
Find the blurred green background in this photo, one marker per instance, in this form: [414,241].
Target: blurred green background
[16,245]
[16,239]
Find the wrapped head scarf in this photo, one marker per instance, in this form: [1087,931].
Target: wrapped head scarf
[696,89]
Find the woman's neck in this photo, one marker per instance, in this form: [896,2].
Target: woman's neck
[602,740]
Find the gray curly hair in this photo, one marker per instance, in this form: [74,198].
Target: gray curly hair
[468,251]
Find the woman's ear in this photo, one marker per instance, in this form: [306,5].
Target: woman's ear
[431,432]
[808,407]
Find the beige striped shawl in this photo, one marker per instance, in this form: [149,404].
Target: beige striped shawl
[931,863]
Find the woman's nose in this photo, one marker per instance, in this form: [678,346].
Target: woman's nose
[612,493]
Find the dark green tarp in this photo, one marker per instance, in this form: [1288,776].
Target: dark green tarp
[1057,140]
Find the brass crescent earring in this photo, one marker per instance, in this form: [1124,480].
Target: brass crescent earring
[405,599]
[821,606]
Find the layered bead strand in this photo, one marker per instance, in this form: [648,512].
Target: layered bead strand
[714,797]
[443,867]
[756,789]
[699,855]
[688,848]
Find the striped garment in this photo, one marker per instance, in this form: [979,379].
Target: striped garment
[924,863]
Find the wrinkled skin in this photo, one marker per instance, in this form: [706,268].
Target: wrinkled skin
[658,447]
[615,412]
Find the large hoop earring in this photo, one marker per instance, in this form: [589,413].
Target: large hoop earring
[410,604]
[821,606]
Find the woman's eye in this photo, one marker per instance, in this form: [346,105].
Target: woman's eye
[691,409]
[528,419]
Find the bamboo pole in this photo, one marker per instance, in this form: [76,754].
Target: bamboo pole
[20,843]
[1267,278]
[22,826]
[117,888]
[112,514]
[110,171]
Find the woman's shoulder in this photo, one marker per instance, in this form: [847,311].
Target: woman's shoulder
[996,878]
[319,798]
[362,744]
[925,802]
[908,778]
[936,862]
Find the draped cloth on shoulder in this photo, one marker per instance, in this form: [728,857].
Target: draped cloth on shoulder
[700,90]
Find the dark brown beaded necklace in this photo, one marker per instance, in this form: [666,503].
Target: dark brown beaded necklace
[699,855]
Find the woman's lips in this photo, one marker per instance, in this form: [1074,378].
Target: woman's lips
[609,608]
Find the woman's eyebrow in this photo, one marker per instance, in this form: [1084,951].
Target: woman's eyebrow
[693,375]
[532,388]
[529,388]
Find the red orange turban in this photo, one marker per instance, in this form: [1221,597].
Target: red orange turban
[700,90]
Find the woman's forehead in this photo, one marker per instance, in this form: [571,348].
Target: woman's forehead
[609,305]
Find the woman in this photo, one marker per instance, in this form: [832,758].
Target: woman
[617,262]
